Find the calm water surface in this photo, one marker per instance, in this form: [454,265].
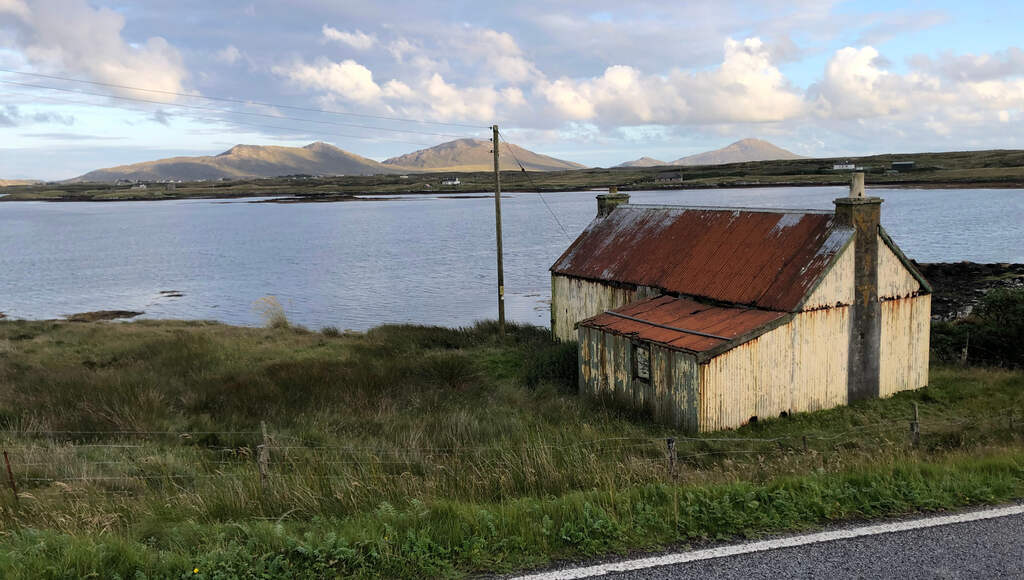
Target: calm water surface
[422,259]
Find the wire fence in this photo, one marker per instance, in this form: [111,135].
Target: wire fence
[39,458]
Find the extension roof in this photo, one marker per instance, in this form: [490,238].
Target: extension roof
[763,258]
[688,325]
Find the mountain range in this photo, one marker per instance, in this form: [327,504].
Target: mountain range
[739,152]
[248,161]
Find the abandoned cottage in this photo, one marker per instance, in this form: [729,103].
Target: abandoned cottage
[708,318]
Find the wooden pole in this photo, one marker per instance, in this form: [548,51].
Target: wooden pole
[497,227]
[10,476]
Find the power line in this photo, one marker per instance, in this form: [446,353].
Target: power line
[240,101]
[228,112]
[535,186]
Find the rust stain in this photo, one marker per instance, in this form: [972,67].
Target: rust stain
[685,314]
[764,258]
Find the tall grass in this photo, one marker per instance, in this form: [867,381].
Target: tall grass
[424,451]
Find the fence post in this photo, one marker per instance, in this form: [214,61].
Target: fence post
[10,476]
[915,429]
[805,443]
[263,457]
[671,442]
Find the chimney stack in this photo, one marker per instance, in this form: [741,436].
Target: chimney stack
[863,214]
[606,202]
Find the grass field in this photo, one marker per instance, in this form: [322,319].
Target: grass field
[415,451]
[998,168]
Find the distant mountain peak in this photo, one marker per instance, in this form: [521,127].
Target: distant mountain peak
[744,150]
[321,146]
[470,154]
[643,162]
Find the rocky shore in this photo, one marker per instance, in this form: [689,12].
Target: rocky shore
[959,286]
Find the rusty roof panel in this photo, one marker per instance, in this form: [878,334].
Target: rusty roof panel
[765,258]
[682,314]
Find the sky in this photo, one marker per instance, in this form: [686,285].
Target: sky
[96,83]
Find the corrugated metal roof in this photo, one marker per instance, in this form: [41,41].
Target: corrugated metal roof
[682,314]
[765,258]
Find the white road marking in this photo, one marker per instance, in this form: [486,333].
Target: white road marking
[724,551]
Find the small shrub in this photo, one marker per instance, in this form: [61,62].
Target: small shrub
[331,331]
[555,363]
[450,369]
[272,313]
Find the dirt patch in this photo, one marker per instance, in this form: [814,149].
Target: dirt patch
[959,286]
[102,315]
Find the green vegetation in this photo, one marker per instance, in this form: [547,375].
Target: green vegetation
[997,168]
[421,451]
[992,334]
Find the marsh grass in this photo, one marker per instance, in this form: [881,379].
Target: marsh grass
[425,451]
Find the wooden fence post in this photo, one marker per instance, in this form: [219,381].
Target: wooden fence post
[671,442]
[805,443]
[915,429]
[263,456]
[10,476]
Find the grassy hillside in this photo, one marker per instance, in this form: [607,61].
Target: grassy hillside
[956,169]
[412,451]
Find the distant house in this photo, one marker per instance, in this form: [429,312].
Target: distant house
[139,186]
[669,176]
[903,165]
[451,181]
[844,166]
[709,318]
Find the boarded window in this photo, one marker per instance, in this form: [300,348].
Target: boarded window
[642,361]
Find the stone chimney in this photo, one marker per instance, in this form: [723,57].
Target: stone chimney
[863,214]
[606,202]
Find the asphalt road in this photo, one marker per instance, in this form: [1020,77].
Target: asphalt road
[986,548]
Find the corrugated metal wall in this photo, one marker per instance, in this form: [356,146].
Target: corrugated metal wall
[575,299]
[800,366]
[606,372]
[906,324]
[894,281]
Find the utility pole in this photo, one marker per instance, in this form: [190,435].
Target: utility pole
[497,227]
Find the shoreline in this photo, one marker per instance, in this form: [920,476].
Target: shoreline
[318,197]
[957,289]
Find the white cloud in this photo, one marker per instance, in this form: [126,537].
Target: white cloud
[973,67]
[348,79]
[856,86]
[401,47]
[498,52]
[228,55]
[357,40]
[70,36]
[15,7]
[745,87]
